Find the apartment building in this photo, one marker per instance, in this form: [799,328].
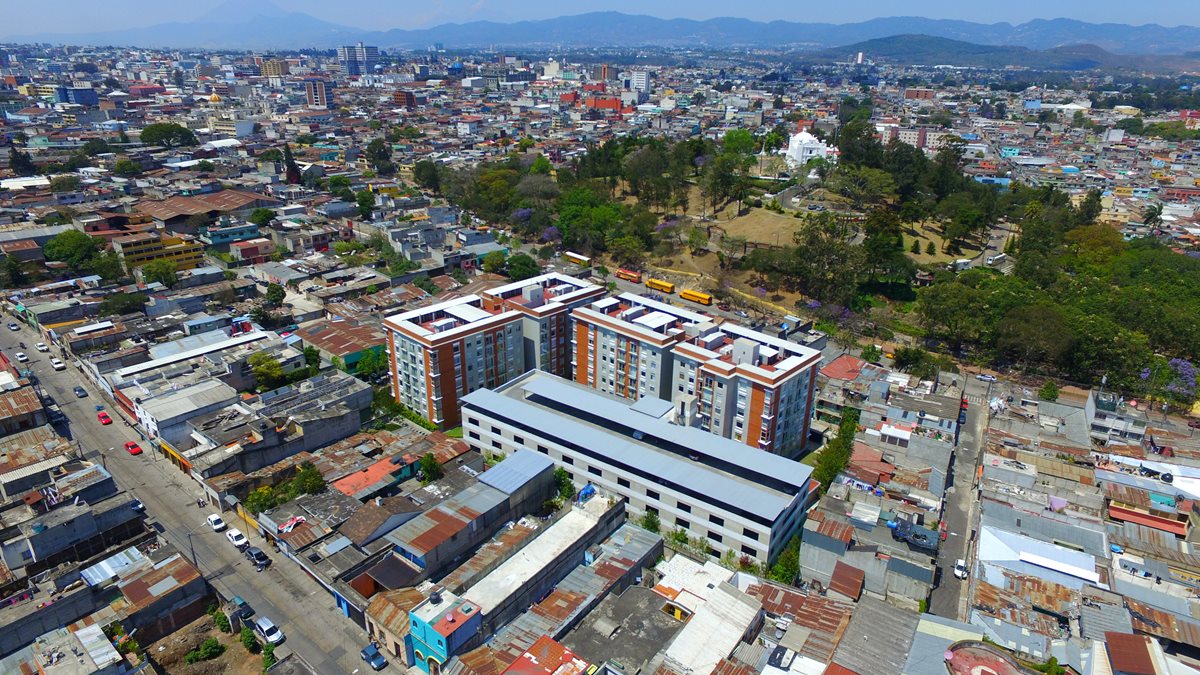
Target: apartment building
[318,93]
[357,59]
[139,249]
[734,498]
[442,352]
[545,303]
[275,68]
[723,378]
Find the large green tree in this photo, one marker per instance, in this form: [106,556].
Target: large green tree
[72,247]
[168,134]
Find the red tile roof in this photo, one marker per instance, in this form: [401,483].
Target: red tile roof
[844,367]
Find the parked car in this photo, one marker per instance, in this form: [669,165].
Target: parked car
[80,392]
[1195,424]
[137,505]
[236,538]
[13,326]
[984,377]
[255,555]
[214,521]
[133,448]
[960,568]
[373,657]
[104,418]
[267,630]
[22,357]
[241,608]
[57,365]
[41,347]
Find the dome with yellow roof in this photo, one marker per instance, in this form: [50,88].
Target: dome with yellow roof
[215,98]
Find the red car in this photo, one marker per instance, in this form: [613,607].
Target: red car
[133,448]
[103,417]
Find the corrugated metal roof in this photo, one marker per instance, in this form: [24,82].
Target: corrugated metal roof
[106,570]
[847,580]
[516,471]
[878,638]
[826,618]
[1130,654]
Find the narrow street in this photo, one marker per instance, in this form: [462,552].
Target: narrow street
[302,609]
[961,508]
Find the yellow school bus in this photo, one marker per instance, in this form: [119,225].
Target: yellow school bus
[696,296]
[660,285]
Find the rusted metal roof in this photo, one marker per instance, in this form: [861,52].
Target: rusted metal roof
[843,532]
[19,402]
[998,603]
[1149,619]
[732,667]
[144,589]
[389,609]
[825,617]
[847,580]
[1129,654]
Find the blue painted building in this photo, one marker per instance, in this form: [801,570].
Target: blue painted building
[440,628]
[221,234]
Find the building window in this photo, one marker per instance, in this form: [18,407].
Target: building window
[473,435]
[682,523]
[496,430]
[594,471]
[716,520]
[749,533]
[496,445]
[622,482]
[518,440]
[567,460]
[472,420]
[715,537]
[651,494]
[748,551]
[543,449]
[683,507]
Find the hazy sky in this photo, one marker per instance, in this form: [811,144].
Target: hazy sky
[28,16]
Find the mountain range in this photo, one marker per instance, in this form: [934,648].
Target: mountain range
[260,24]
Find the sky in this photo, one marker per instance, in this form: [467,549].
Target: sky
[66,16]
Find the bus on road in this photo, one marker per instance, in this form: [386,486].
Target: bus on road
[660,285]
[696,297]
[629,275]
[581,260]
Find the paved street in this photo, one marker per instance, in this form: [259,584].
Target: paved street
[961,506]
[283,592]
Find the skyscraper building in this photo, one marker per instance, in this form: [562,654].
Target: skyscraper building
[357,59]
[319,92]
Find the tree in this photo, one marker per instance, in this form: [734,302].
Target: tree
[168,134]
[377,152]
[521,266]
[95,146]
[246,637]
[739,142]
[930,249]
[425,173]
[72,247]
[494,261]
[541,166]
[862,185]
[117,304]
[65,184]
[370,364]
[161,271]
[261,217]
[312,358]
[697,240]
[563,483]
[872,354]
[366,204]
[431,468]
[650,521]
[275,295]
[787,565]
[127,168]
[12,272]
[1152,216]
[205,166]
[271,155]
[291,169]
[1049,391]
[267,370]
[259,500]
[20,162]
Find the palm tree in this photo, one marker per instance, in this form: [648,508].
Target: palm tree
[1152,216]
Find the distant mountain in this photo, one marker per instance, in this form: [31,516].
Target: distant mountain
[926,50]
[259,24]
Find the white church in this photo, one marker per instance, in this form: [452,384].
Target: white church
[803,147]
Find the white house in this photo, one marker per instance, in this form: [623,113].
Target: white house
[803,147]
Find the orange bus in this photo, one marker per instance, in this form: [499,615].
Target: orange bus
[696,297]
[660,285]
[629,275]
[581,260]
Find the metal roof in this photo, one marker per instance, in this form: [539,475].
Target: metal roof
[516,471]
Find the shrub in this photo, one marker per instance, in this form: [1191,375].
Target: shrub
[209,649]
[269,656]
[222,622]
[246,636]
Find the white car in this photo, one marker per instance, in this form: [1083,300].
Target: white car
[41,347]
[21,357]
[960,568]
[984,377]
[57,365]
[215,522]
[267,630]
[236,538]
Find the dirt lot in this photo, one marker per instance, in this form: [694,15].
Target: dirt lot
[929,231]
[168,653]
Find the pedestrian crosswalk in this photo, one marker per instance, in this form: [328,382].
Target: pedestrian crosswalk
[975,398]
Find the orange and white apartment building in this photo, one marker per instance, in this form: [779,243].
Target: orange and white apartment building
[545,303]
[721,377]
[442,352]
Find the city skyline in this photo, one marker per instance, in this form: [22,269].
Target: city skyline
[68,16]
